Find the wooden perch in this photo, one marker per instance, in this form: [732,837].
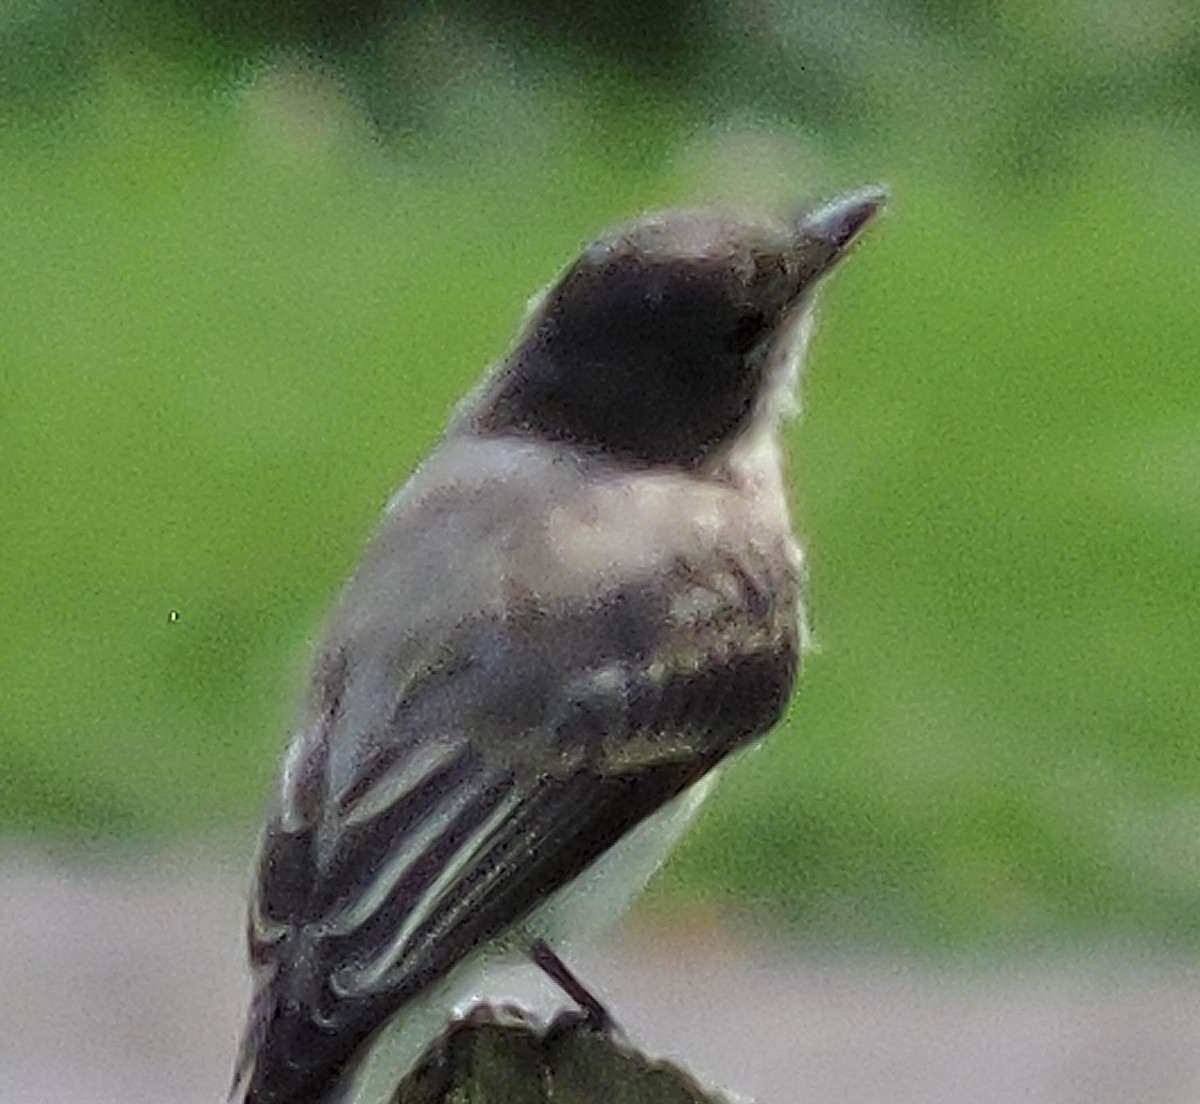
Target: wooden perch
[501,1055]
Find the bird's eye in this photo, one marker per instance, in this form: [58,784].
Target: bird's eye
[747,332]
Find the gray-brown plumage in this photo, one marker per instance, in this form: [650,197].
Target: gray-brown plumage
[584,600]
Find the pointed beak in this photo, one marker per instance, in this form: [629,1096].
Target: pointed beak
[824,236]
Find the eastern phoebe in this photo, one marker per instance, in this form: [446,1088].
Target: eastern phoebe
[580,604]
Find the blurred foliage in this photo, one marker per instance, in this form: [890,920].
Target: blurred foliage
[237,309]
[1033,75]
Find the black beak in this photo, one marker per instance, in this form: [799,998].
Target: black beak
[824,235]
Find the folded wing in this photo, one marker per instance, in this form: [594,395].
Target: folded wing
[518,750]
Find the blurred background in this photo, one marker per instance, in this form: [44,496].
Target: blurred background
[251,254]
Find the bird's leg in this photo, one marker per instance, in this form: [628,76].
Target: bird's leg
[597,1016]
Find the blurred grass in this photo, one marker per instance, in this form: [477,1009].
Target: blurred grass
[231,326]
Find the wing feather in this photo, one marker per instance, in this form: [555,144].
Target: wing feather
[517,747]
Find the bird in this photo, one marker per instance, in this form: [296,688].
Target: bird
[583,601]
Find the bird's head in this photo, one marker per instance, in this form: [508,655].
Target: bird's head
[664,339]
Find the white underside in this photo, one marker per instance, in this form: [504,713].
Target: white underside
[579,911]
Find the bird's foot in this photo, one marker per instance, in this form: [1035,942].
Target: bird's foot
[592,1011]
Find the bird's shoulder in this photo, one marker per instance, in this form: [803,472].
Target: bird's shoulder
[486,522]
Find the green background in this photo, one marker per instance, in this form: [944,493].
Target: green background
[238,298]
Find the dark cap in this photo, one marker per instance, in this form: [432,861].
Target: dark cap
[651,347]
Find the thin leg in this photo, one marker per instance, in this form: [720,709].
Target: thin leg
[561,974]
